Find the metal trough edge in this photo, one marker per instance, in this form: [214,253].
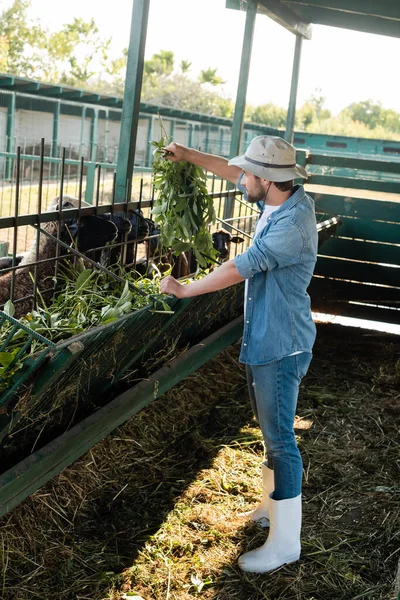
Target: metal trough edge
[33,472]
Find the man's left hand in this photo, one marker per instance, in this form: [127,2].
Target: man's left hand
[169,285]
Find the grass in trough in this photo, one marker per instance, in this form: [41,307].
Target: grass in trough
[152,510]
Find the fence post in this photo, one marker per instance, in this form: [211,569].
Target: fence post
[90,179]
[240,104]
[293,89]
[131,104]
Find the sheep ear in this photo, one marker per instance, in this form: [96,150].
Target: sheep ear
[236,239]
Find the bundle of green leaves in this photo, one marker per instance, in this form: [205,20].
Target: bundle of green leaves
[87,298]
[183,206]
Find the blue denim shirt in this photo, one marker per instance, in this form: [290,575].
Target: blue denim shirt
[279,266]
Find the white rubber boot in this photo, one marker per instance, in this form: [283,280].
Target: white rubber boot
[261,513]
[283,543]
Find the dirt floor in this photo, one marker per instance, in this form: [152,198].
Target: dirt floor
[152,510]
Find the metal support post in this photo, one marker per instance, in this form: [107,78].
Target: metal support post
[131,103]
[240,104]
[293,90]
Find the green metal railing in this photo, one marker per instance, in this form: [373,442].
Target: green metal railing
[358,270]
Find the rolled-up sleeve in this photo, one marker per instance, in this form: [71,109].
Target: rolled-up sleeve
[282,246]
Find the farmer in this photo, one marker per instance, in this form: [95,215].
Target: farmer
[279,332]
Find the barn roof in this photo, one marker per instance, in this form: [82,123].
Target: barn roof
[297,16]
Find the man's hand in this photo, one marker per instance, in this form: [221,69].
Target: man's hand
[175,152]
[169,285]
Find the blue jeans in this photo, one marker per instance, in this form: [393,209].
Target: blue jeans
[273,390]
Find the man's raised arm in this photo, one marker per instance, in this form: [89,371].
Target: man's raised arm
[210,162]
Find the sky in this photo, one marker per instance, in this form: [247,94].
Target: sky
[346,66]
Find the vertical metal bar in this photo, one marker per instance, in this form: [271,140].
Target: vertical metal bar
[69,166]
[131,103]
[293,89]
[39,211]
[98,186]
[60,209]
[93,135]
[11,105]
[240,104]
[207,140]
[107,112]
[90,182]
[113,191]
[150,130]
[79,207]
[16,212]
[172,129]
[221,141]
[82,140]
[190,139]
[82,166]
[56,121]
[137,225]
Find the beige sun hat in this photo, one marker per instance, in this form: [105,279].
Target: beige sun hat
[270,157]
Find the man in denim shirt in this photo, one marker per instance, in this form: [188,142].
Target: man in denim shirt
[279,332]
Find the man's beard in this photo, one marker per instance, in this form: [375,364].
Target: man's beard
[261,196]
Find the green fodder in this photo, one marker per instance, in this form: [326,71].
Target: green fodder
[152,509]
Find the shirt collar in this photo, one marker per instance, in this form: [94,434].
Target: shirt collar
[298,194]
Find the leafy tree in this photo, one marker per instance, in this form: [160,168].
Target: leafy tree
[367,111]
[312,111]
[21,39]
[185,66]
[160,64]
[210,76]
[391,120]
[181,92]
[71,55]
[269,114]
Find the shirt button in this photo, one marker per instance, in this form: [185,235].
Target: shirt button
[244,344]
[247,321]
[249,298]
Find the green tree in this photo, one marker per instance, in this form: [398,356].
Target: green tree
[368,112]
[210,76]
[160,64]
[312,111]
[269,114]
[185,66]
[179,91]
[72,55]
[22,39]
